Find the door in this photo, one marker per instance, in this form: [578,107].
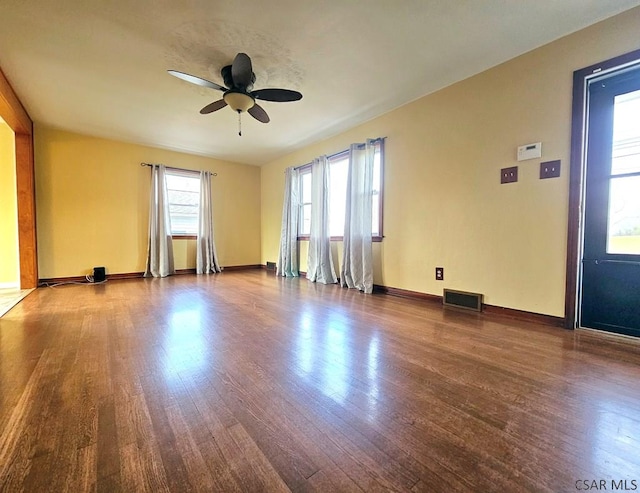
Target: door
[610,280]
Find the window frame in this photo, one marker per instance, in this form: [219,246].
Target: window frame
[380,235]
[302,170]
[183,173]
[306,169]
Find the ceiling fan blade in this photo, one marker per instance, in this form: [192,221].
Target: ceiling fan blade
[196,80]
[277,95]
[241,71]
[258,113]
[215,106]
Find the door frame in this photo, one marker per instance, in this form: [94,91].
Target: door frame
[14,114]
[577,175]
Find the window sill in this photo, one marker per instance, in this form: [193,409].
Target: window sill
[184,237]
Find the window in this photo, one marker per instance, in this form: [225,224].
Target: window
[623,235]
[183,189]
[376,209]
[338,173]
[305,201]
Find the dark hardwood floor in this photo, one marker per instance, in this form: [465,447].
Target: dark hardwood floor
[246,382]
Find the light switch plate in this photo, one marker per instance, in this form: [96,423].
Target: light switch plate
[550,169]
[530,151]
[509,175]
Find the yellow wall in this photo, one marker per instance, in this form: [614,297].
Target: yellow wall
[92,205]
[444,205]
[9,259]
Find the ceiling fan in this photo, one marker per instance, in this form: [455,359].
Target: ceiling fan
[238,94]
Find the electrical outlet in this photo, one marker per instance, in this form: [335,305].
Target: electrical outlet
[550,169]
[509,175]
[439,273]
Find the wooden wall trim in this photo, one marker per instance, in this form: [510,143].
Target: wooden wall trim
[25,184]
[575,192]
[11,108]
[12,112]
[576,177]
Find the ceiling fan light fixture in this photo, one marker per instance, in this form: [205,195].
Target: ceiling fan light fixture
[238,101]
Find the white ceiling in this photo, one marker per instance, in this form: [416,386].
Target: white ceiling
[99,67]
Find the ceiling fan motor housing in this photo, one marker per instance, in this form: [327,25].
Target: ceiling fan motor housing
[228,78]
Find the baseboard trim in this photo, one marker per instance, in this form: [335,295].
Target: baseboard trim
[301,273]
[523,315]
[110,277]
[487,310]
[242,267]
[405,293]
[138,275]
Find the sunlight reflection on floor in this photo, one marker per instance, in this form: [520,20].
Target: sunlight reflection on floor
[185,343]
[324,352]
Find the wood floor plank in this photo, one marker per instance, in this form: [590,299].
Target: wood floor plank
[146,451]
[264,476]
[27,434]
[107,441]
[172,461]
[323,480]
[270,434]
[224,475]
[131,469]
[82,476]
[197,471]
[225,459]
[247,382]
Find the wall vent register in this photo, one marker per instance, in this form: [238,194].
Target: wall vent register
[462,299]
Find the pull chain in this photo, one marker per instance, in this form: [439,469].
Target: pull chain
[239,125]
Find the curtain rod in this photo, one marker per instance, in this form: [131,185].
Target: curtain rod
[177,169]
[377,139]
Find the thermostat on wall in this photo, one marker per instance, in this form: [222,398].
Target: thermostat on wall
[530,151]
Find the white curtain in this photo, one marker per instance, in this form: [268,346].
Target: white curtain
[287,265]
[320,262]
[357,263]
[206,257]
[160,247]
